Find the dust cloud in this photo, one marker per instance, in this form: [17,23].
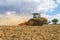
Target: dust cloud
[10,18]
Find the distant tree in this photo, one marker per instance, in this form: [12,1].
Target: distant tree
[55,21]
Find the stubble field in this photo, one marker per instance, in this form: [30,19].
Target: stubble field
[45,32]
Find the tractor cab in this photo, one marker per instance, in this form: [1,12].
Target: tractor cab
[36,15]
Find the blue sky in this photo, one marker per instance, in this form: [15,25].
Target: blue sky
[20,10]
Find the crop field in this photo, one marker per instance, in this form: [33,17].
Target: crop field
[45,32]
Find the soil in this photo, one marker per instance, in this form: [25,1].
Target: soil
[45,32]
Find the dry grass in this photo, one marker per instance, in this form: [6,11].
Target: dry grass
[46,32]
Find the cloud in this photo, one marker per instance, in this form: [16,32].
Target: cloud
[27,6]
[58,1]
[46,5]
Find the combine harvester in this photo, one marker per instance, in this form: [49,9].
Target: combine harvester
[37,20]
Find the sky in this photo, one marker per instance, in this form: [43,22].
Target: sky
[13,12]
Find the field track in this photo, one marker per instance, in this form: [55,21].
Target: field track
[45,32]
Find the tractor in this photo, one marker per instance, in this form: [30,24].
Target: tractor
[36,20]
